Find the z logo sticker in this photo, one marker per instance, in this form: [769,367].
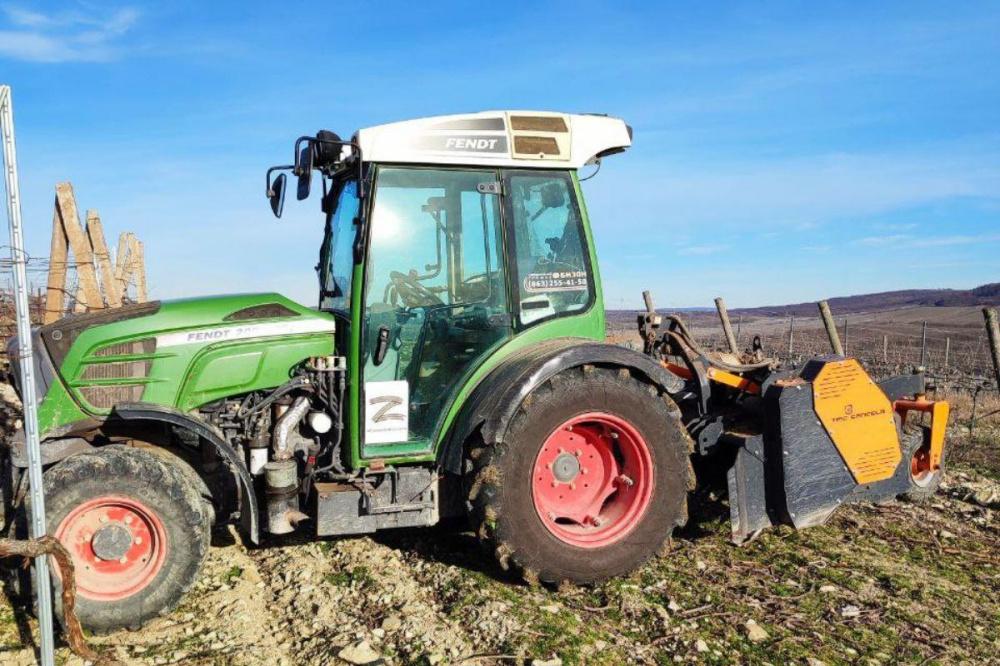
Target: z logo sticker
[388,402]
[387,412]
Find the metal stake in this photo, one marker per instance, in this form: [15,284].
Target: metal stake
[26,365]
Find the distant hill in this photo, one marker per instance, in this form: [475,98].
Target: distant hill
[987,294]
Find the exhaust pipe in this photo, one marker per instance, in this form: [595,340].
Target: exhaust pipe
[284,426]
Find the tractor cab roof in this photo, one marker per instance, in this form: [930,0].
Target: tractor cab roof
[526,139]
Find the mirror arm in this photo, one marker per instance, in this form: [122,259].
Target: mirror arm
[286,167]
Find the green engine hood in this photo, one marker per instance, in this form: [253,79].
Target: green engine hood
[182,353]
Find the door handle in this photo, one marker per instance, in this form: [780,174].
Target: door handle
[381,345]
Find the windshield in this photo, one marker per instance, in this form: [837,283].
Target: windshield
[336,255]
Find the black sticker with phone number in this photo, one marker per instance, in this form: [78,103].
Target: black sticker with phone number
[558,281]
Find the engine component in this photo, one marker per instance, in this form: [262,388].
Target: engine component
[258,459]
[284,426]
[282,490]
[319,422]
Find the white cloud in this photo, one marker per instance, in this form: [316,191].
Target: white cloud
[955,240]
[888,239]
[698,250]
[905,240]
[65,36]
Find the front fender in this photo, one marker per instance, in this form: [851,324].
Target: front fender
[498,396]
[143,411]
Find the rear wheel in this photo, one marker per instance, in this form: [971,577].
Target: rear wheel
[136,528]
[589,481]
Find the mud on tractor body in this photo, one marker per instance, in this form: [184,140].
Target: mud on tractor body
[455,367]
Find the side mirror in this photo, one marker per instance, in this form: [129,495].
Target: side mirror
[304,170]
[276,194]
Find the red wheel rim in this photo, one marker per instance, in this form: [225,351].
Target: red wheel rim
[118,546]
[592,480]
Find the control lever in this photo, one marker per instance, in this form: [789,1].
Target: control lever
[381,345]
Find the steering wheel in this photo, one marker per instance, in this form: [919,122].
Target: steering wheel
[413,293]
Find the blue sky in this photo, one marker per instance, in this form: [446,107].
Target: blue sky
[783,151]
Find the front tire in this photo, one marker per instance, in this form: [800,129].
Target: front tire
[137,529]
[589,481]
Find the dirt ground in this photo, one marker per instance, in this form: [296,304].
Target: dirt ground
[897,583]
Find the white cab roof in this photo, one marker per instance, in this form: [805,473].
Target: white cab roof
[498,138]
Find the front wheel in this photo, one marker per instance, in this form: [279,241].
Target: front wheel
[589,481]
[924,481]
[136,528]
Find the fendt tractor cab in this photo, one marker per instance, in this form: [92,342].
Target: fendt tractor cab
[455,367]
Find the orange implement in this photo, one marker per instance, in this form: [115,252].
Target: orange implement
[716,375]
[938,410]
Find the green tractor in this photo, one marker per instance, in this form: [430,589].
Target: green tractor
[455,367]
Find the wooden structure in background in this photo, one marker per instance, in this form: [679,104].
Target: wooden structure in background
[92,258]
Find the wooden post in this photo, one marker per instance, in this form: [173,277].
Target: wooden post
[121,265]
[885,348]
[727,327]
[138,266]
[831,328]
[846,335]
[55,292]
[993,331]
[79,300]
[947,351]
[923,346]
[95,231]
[791,334]
[739,328]
[83,254]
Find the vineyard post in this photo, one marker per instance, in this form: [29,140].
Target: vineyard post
[972,419]
[739,327]
[993,331]
[923,346]
[846,335]
[727,327]
[885,348]
[831,328]
[947,351]
[791,327]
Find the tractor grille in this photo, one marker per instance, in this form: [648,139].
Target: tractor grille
[124,370]
[100,387]
[106,397]
[147,346]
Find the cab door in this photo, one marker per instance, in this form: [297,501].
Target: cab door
[435,300]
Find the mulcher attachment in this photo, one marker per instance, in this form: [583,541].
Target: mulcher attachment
[830,437]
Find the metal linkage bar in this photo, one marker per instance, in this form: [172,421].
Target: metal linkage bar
[17,257]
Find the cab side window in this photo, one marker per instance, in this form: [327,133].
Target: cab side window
[547,242]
